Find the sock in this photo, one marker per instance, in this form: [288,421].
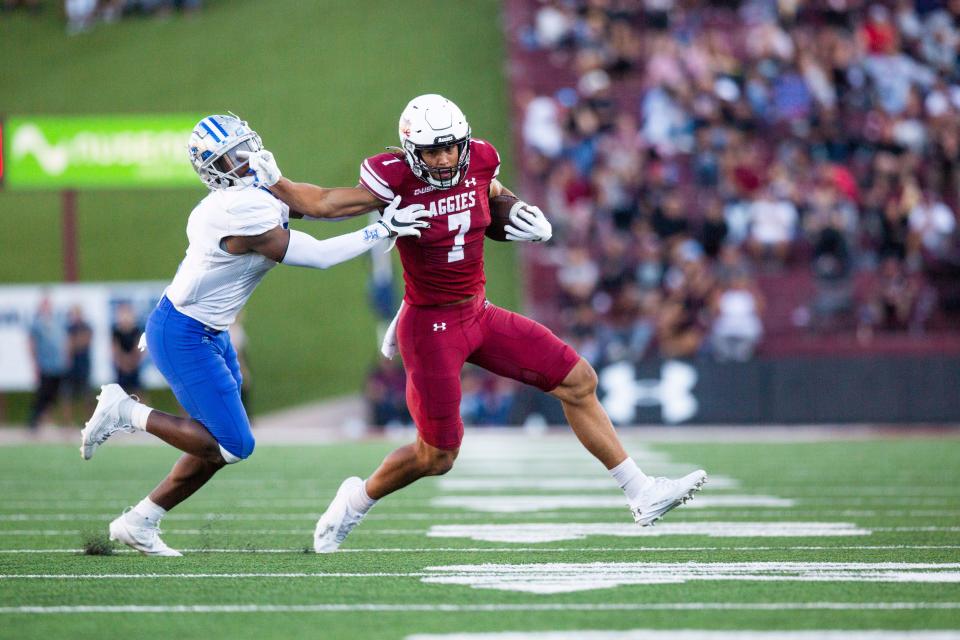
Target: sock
[629,477]
[360,502]
[136,413]
[147,512]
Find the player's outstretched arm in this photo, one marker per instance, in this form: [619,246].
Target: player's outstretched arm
[305,198]
[320,202]
[299,249]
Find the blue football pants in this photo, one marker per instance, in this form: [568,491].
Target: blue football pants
[202,368]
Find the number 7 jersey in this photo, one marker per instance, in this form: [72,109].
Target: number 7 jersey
[445,264]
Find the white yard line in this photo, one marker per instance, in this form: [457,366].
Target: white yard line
[616,506]
[491,608]
[805,492]
[528,503]
[692,634]
[202,576]
[553,532]
[556,531]
[568,577]
[859,547]
[461,482]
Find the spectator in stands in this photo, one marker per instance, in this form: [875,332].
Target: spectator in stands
[79,337]
[932,227]
[31,6]
[240,341]
[486,400]
[127,357]
[736,328]
[713,230]
[773,226]
[385,394]
[48,345]
[897,301]
[684,316]
[81,15]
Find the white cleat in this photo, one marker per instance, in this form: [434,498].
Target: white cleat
[106,420]
[144,538]
[660,495]
[338,520]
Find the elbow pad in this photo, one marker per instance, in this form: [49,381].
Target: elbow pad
[304,250]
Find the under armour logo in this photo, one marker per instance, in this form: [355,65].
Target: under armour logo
[624,393]
[439,326]
[472,182]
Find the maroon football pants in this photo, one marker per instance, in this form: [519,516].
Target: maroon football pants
[436,341]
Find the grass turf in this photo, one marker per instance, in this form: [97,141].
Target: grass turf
[323,82]
[901,490]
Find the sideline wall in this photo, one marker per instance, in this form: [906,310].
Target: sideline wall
[782,391]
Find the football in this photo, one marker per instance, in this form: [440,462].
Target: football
[500,217]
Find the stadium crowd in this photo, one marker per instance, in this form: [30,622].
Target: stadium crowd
[688,152]
[83,15]
[687,148]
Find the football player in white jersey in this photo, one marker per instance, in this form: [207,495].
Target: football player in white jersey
[237,233]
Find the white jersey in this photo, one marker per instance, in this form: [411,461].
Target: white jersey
[212,285]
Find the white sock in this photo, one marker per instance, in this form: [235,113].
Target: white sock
[147,512]
[360,502]
[629,477]
[136,413]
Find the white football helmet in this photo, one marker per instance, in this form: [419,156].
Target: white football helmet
[430,122]
[213,148]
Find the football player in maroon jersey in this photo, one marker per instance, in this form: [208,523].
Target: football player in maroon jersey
[445,319]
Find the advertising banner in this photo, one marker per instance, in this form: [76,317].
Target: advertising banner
[106,152]
[96,303]
[815,390]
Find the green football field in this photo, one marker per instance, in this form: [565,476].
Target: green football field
[527,535]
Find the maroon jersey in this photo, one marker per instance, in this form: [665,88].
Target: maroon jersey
[445,264]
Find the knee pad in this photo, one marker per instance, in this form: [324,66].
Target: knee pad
[228,457]
[246,449]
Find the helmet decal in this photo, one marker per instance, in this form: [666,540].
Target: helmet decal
[213,148]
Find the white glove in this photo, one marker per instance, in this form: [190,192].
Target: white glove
[264,167]
[528,224]
[142,343]
[389,346]
[406,221]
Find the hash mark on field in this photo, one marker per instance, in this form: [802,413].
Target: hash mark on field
[484,608]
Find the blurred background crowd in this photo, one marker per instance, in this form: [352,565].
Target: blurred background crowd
[728,179]
[83,15]
[696,155]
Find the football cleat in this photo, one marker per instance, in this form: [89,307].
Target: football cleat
[142,537]
[660,495]
[105,421]
[338,520]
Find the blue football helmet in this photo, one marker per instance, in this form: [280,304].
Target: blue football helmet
[213,148]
